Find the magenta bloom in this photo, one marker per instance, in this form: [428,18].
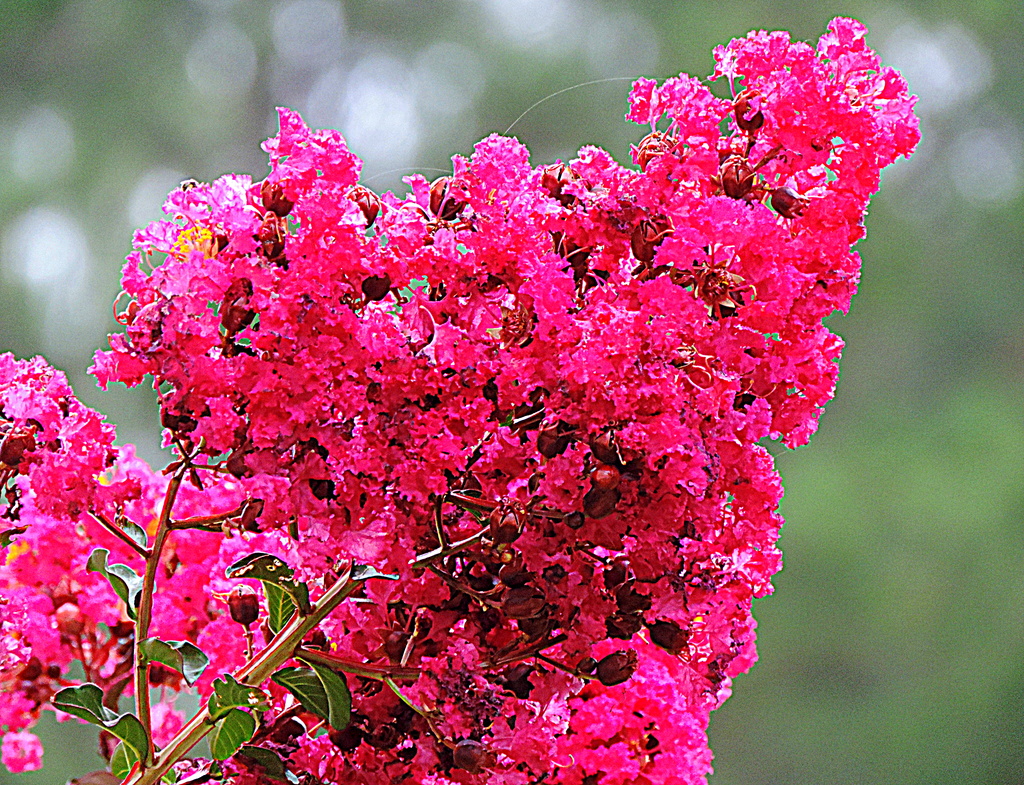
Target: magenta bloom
[538,395]
[22,752]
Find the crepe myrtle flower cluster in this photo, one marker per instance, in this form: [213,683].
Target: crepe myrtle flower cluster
[469,484]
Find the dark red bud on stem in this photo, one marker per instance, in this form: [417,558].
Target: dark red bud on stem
[243,605]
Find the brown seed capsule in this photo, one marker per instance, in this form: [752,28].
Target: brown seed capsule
[616,574]
[271,236]
[554,178]
[598,502]
[32,671]
[234,315]
[737,177]
[348,739]
[748,118]
[669,636]
[274,199]
[647,236]
[605,477]
[443,202]
[623,625]
[617,667]
[507,521]
[586,666]
[244,605]
[16,443]
[629,600]
[574,520]
[604,448]
[523,602]
[69,619]
[553,441]
[472,756]
[250,515]
[514,575]
[788,203]
[394,645]
[367,201]
[376,287]
[654,145]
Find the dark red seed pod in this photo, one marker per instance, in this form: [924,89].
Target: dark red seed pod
[235,464]
[669,636]
[16,443]
[250,515]
[537,627]
[616,574]
[574,520]
[598,502]
[367,201]
[32,671]
[376,287]
[788,203]
[507,521]
[317,639]
[394,645]
[322,489]
[605,477]
[472,756]
[513,575]
[654,145]
[604,448]
[523,602]
[623,625]
[737,177]
[443,202]
[630,600]
[554,178]
[586,666]
[234,315]
[244,605]
[517,680]
[747,117]
[271,236]
[383,737]
[287,730]
[274,199]
[69,619]
[553,441]
[348,739]
[647,236]
[617,667]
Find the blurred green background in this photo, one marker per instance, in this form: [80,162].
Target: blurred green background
[892,651]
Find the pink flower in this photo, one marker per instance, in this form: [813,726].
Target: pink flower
[22,752]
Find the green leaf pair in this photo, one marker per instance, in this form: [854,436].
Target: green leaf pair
[287,594]
[125,582]
[86,702]
[320,691]
[181,656]
[233,726]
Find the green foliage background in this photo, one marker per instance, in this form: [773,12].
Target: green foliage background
[892,650]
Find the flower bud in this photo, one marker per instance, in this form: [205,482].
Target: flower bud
[586,666]
[523,602]
[32,670]
[554,178]
[443,203]
[737,177]
[367,201]
[598,502]
[274,199]
[623,625]
[788,203]
[604,449]
[346,740]
[69,619]
[605,477]
[16,443]
[574,520]
[669,636]
[244,605]
[553,441]
[647,236]
[472,756]
[617,667]
[748,118]
[250,515]
[376,287]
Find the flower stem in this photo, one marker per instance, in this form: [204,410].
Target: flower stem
[253,674]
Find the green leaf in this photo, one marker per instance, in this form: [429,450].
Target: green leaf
[182,656]
[7,536]
[136,532]
[279,606]
[86,702]
[338,696]
[271,569]
[363,572]
[122,760]
[123,579]
[306,686]
[232,731]
[270,761]
[228,694]
[261,566]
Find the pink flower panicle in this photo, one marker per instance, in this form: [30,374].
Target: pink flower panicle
[571,367]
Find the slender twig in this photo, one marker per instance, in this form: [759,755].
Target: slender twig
[252,674]
[145,611]
[561,667]
[101,519]
[424,713]
[530,651]
[365,670]
[207,522]
[426,559]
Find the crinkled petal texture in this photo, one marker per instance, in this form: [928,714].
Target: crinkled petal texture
[536,394]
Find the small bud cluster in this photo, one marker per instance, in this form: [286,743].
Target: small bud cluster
[536,395]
